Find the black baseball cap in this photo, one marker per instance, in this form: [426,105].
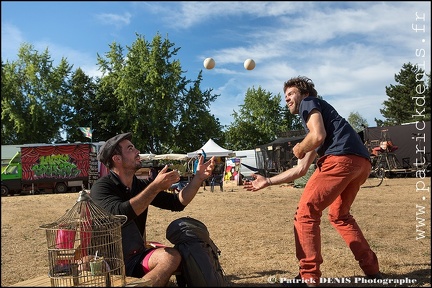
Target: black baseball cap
[107,149]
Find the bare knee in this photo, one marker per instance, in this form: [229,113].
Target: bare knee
[162,264]
[165,259]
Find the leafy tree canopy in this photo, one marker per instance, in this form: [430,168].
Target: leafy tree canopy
[34,97]
[260,120]
[142,90]
[357,121]
[409,100]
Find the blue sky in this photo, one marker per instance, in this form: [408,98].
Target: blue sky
[351,50]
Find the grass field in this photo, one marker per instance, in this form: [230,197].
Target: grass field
[254,231]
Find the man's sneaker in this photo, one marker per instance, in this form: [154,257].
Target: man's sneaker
[375,276]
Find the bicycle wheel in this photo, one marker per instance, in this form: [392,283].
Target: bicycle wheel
[375,179]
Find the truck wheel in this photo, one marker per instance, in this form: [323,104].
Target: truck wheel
[4,190]
[61,188]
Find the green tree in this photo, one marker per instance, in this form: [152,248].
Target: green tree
[145,93]
[357,121]
[196,124]
[291,125]
[259,120]
[33,97]
[83,107]
[108,122]
[408,99]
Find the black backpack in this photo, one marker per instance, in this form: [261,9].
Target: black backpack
[200,265]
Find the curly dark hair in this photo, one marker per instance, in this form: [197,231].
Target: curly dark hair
[303,84]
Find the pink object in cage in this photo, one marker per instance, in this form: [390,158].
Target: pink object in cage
[65,239]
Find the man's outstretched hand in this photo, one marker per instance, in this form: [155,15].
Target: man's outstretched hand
[258,183]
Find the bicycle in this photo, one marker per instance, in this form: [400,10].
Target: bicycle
[376,177]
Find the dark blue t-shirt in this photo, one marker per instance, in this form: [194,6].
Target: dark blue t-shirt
[341,138]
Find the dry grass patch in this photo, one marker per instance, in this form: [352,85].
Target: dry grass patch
[254,231]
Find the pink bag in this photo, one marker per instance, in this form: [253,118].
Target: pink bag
[65,239]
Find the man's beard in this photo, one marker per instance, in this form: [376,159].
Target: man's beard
[137,167]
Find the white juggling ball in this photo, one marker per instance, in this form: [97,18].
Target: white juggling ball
[249,64]
[209,63]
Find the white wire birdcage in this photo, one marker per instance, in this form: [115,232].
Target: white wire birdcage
[85,246]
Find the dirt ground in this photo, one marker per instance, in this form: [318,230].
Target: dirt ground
[254,231]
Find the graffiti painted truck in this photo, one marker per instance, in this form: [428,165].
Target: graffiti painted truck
[55,168]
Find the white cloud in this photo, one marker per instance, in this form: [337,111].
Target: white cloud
[118,20]
[351,50]
[12,38]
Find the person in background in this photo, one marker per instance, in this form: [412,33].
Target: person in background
[342,167]
[122,193]
[195,165]
[152,173]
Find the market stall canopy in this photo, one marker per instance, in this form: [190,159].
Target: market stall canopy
[149,156]
[211,149]
[171,156]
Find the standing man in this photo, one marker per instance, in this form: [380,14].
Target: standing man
[122,193]
[343,165]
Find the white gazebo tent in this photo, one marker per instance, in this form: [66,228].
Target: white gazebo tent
[211,149]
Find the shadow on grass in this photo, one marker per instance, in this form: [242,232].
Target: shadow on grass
[422,278]
[255,275]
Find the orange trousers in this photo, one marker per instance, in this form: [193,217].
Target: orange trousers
[334,184]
